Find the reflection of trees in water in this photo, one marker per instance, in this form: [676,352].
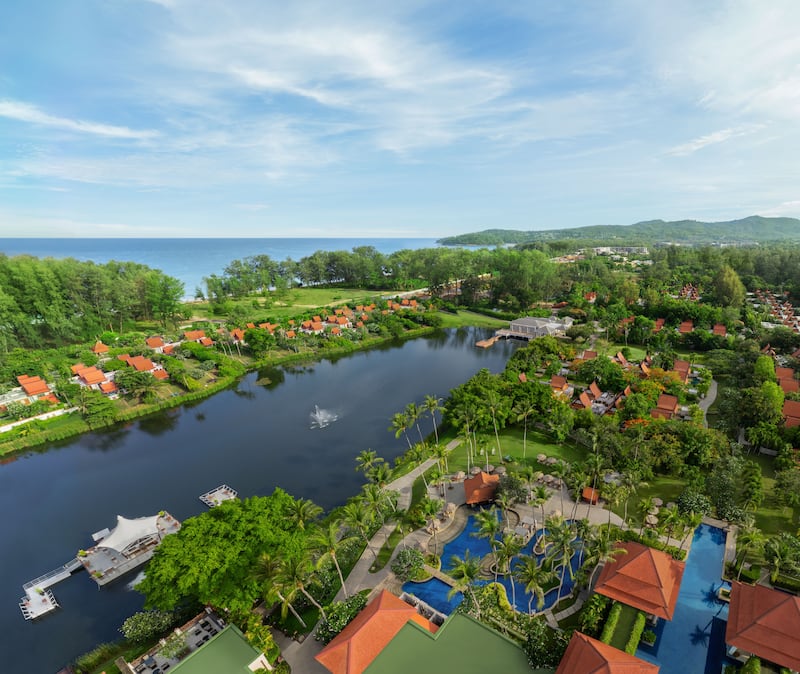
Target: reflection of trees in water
[247,393]
[272,377]
[107,439]
[158,424]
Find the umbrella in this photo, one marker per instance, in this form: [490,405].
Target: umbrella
[653,511]
[460,475]
[528,521]
[475,470]
[548,478]
[541,458]
[552,461]
[500,470]
[538,475]
[651,519]
[489,468]
[658,502]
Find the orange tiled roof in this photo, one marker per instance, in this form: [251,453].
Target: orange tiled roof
[108,387]
[720,330]
[659,324]
[99,347]
[589,355]
[140,363]
[686,327]
[784,372]
[154,342]
[77,368]
[291,334]
[480,488]
[523,377]
[237,334]
[789,385]
[590,495]
[644,578]
[169,348]
[358,644]
[194,335]
[667,402]
[91,375]
[765,622]
[336,331]
[205,341]
[594,389]
[791,412]
[33,385]
[585,655]
[160,374]
[558,383]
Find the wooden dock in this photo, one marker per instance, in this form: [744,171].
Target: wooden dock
[38,599]
[219,494]
[486,343]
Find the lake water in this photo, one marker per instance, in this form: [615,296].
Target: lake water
[254,437]
[191,259]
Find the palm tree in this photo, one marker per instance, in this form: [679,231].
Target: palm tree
[594,465]
[400,426]
[778,554]
[489,527]
[325,540]
[432,405]
[466,573]
[507,549]
[295,572]
[562,539]
[374,497]
[692,521]
[533,577]
[579,480]
[539,498]
[380,476]
[413,413]
[366,460]
[613,494]
[524,409]
[670,518]
[644,508]
[527,473]
[750,538]
[493,403]
[503,502]
[561,470]
[602,549]
[429,508]
[441,452]
[357,516]
[632,481]
[304,511]
[267,573]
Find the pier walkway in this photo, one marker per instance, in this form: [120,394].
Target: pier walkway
[38,599]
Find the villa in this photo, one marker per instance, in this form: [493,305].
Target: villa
[30,389]
[529,328]
[590,656]
[481,488]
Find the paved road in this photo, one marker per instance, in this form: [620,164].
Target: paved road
[708,401]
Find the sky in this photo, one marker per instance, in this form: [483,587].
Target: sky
[257,118]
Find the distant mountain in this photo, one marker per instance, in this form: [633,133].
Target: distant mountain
[755,229]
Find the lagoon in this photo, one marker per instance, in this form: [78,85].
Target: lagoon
[253,437]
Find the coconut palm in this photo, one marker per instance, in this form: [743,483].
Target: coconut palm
[632,481]
[613,495]
[432,405]
[466,573]
[562,540]
[778,554]
[295,571]
[441,452]
[644,508]
[493,403]
[326,542]
[366,460]
[507,549]
[413,412]
[578,481]
[489,527]
[594,466]
[669,518]
[527,473]
[504,502]
[266,573]
[561,470]
[400,426]
[523,410]
[539,498]
[304,511]
[751,538]
[692,521]
[375,499]
[601,549]
[533,578]
[357,516]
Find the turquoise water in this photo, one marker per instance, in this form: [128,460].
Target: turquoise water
[431,592]
[693,642]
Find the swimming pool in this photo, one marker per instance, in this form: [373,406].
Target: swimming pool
[694,640]
[431,592]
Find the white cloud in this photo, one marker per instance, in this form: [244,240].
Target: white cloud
[25,112]
[787,208]
[712,139]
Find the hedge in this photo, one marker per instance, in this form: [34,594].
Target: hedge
[752,666]
[611,623]
[787,583]
[636,633]
[671,550]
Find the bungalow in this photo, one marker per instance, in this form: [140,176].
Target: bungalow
[194,335]
[719,330]
[361,641]
[237,335]
[594,391]
[90,377]
[99,348]
[588,355]
[686,327]
[764,622]
[791,413]
[644,578]
[659,324]
[481,488]
[156,343]
[560,386]
[666,407]
[620,358]
[682,368]
[142,364]
[530,327]
[108,387]
[205,341]
[583,402]
[585,654]
[33,387]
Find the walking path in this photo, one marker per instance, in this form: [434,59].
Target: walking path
[708,401]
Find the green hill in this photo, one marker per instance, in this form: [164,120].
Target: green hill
[754,229]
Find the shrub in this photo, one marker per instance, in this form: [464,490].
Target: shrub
[752,666]
[145,625]
[544,646]
[636,633]
[787,583]
[408,564]
[649,637]
[91,660]
[339,615]
[611,623]
[592,614]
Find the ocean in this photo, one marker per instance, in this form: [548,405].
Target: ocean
[191,259]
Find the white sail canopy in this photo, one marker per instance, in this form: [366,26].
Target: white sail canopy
[129,531]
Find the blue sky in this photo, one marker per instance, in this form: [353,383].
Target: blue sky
[258,118]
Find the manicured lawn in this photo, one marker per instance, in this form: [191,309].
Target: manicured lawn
[771,517]
[468,318]
[665,488]
[511,445]
[624,627]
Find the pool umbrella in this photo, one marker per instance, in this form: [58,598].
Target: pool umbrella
[658,502]
[500,470]
[541,458]
[475,470]
[489,468]
[653,511]
[652,520]
[460,475]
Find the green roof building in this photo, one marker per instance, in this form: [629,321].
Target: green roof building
[227,652]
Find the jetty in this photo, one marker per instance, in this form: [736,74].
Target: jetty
[219,494]
[38,599]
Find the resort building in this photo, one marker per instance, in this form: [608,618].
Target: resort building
[585,655]
[644,578]
[666,407]
[129,545]
[529,328]
[210,647]
[766,623]
[30,390]
[480,488]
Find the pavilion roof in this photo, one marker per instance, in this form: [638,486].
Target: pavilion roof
[765,622]
[129,531]
[644,578]
[585,655]
[480,488]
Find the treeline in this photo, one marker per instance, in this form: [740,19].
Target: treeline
[45,302]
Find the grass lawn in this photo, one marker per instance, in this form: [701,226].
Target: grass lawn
[771,517]
[468,318]
[511,445]
[665,488]
[624,627]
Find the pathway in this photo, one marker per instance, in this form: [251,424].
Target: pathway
[708,401]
